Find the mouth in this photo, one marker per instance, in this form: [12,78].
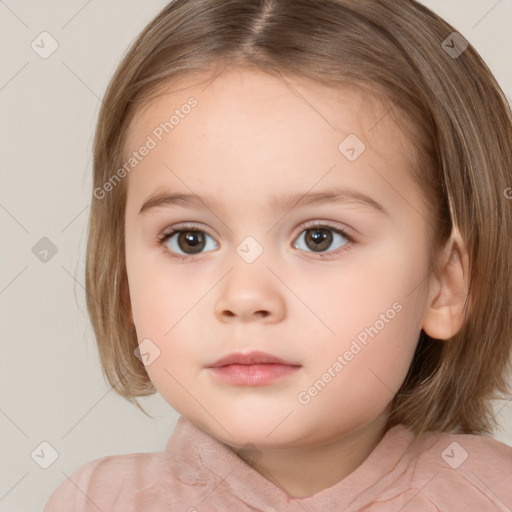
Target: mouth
[252,369]
[250,358]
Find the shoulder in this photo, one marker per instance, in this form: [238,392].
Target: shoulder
[98,484]
[464,469]
[464,452]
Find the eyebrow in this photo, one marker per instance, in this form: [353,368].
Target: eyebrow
[278,203]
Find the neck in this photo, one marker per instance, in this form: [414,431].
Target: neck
[305,470]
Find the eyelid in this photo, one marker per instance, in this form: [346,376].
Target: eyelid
[328,224]
[192,226]
[184,226]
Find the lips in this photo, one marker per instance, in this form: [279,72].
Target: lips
[252,369]
[251,358]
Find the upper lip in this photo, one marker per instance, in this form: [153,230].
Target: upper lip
[255,357]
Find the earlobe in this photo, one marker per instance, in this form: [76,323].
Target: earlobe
[444,315]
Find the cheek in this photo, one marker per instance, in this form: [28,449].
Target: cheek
[164,312]
[387,351]
[376,283]
[375,312]
[161,292]
[361,377]
[168,303]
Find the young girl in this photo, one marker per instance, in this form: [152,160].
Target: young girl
[300,235]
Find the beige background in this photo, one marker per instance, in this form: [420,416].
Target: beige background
[51,385]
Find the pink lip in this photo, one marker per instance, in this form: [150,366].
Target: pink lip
[255,357]
[252,369]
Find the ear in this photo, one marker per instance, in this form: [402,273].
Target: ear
[125,301]
[444,314]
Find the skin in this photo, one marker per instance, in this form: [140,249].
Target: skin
[250,137]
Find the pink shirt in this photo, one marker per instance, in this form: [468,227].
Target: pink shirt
[197,473]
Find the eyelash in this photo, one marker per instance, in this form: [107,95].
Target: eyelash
[162,239]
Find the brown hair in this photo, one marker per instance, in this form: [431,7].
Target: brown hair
[396,50]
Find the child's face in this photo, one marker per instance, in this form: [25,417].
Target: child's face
[249,139]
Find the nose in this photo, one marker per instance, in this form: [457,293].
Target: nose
[250,294]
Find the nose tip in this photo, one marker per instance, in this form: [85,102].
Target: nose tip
[249,296]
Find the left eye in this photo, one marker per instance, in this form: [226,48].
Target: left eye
[319,237]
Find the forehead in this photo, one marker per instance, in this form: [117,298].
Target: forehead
[252,92]
[253,133]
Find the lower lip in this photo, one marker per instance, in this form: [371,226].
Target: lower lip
[253,374]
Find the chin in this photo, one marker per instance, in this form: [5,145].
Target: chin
[263,431]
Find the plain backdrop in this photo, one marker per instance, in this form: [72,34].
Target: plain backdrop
[52,389]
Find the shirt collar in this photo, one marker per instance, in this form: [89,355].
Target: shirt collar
[218,474]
